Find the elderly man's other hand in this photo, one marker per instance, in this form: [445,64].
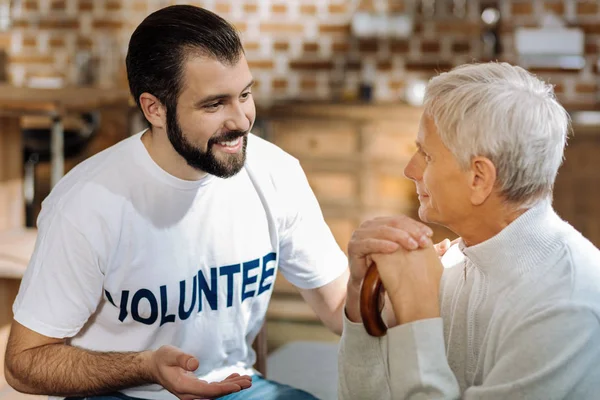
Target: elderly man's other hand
[379,236]
[383,236]
[412,282]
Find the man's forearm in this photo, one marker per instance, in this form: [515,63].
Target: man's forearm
[63,370]
[334,320]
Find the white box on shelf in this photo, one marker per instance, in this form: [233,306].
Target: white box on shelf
[556,41]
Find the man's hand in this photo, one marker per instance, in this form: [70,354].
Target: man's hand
[442,247]
[412,282]
[384,235]
[172,369]
[379,236]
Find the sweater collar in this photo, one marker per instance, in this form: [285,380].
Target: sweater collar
[521,246]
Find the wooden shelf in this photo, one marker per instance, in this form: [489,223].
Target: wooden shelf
[368,112]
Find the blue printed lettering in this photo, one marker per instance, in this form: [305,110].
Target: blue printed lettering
[183,313]
[248,280]
[109,297]
[249,285]
[230,271]
[164,307]
[123,305]
[210,292]
[135,303]
[266,272]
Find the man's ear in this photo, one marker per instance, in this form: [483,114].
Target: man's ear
[483,173]
[153,110]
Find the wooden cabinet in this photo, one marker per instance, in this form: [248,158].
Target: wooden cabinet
[577,186]
[354,158]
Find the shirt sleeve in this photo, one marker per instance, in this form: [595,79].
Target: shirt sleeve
[417,362]
[362,365]
[408,363]
[309,255]
[62,285]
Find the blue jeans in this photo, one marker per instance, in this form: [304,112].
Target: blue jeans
[262,389]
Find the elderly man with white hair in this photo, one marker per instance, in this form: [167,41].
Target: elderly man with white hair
[513,310]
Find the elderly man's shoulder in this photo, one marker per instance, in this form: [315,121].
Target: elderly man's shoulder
[582,264]
[580,250]
[563,296]
[567,280]
[570,277]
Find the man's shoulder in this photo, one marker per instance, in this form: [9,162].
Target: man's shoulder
[270,161]
[262,151]
[91,181]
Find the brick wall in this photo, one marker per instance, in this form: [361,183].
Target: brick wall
[296,48]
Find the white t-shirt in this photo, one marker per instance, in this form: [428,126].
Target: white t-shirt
[129,257]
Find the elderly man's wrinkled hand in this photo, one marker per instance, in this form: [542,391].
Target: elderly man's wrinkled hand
[379,236]
[383,236]
[412,282]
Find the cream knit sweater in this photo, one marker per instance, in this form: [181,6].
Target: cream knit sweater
[524,324]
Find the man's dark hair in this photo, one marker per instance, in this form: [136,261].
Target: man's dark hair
[160,45]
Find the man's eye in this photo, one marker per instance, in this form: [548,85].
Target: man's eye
[212,106]
[246,95]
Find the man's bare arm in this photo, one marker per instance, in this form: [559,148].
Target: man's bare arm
[328,302]
[38,364]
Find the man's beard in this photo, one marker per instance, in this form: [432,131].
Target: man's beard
[206,160]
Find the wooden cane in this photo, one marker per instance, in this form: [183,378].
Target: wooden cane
[371,301]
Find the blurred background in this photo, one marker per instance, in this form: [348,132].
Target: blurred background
[339,85]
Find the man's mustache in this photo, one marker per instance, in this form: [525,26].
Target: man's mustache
[226,137]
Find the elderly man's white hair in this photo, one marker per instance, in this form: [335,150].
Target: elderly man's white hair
[506,114]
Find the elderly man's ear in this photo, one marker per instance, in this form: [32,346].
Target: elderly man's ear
[483,179]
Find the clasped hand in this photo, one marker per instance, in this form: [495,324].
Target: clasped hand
[408,264]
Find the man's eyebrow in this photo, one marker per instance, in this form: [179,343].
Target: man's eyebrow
[221,96]
[248,86]
[212,98]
